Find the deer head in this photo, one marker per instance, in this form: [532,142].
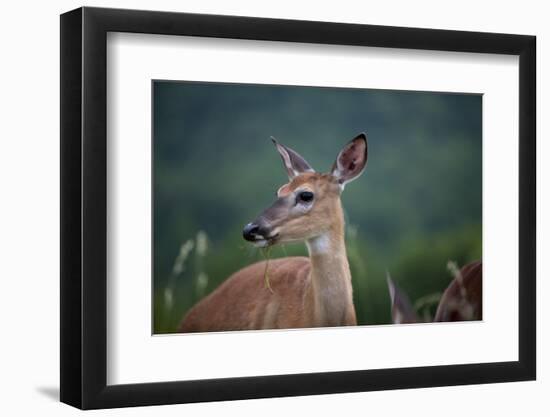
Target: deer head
[308,206]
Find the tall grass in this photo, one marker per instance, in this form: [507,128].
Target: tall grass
[188,268]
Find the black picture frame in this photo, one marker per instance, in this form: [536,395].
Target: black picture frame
[84,207]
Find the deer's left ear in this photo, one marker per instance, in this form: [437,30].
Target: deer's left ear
[351,160]
[294,163]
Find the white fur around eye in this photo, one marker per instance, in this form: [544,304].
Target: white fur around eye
[303,207]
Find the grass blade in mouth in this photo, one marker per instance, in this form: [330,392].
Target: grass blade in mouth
[265,252]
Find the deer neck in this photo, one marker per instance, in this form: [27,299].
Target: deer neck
[330,291]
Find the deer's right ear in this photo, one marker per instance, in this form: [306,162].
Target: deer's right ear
[294,163]
[351,161]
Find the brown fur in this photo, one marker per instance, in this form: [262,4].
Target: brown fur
[252,305]
[463,298]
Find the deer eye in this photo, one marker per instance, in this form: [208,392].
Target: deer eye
[304,196]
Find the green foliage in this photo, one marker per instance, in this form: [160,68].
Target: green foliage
[417,206]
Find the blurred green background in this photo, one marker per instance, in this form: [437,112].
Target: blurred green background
[416,207]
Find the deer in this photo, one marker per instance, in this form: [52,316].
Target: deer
[304,292]
[461,300]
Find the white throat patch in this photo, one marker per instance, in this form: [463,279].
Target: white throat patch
[319,245]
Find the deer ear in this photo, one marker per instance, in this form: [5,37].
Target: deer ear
[294,163]
[351,160]
[401,308]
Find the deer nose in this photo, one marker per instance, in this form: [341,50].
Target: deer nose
[251,232]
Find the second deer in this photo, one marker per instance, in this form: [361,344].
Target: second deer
[462,300]
[312,291]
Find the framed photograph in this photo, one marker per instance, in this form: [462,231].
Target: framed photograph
[256,208]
